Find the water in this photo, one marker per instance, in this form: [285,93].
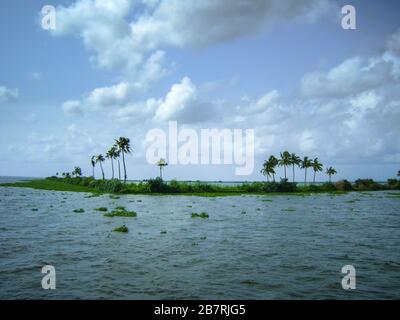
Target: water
[251,247]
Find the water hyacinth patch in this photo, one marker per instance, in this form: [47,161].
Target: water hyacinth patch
[123,229]
[79,210]
[202,215]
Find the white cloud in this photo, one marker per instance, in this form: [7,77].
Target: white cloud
[7,95]
[72,107]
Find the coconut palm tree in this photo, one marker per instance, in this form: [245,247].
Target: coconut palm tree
[123,145]
[267,170]
[317,166]
[112,154]
[93,162]
[272,163]
[77,172]
[161,163]
[295,161]
[284,160]
[330,172]
[100,159]
[305,163]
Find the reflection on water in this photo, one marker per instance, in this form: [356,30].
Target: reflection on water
[251,247]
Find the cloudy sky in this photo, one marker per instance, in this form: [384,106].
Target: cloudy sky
[286,69]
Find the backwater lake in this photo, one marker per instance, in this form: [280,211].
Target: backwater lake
[250,247]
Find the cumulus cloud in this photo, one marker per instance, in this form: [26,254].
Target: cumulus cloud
[7,95]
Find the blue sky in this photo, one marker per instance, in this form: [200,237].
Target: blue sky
[109,68]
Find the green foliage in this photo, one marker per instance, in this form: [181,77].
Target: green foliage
[393,184]
[202,215]
[79,210]
[343,185]
[121,213]
[103,209]
[366,184]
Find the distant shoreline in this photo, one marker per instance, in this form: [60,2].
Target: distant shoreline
[160,187]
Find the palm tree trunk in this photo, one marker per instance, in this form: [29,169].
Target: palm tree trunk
[93,172]
[284,167]
[329,178]
[112,168]
[102,172]
[314,177]
[274,177]
[305,176]
[123,161]
[119,170]
[267,177]
[160,172]
[293,173]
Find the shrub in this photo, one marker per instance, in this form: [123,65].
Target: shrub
[393,183]
[366,184]
[343,185]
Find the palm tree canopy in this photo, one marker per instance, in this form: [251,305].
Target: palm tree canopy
[305,163]
[93,161]
[100,158]
[123,144]
[112,153]
[294,159]
[285,158]
[330,171]
[162,163]
[316,165]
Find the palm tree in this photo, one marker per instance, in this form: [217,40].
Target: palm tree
[305,163]
[398,173]
[272,163]
[285,160]
[317,166]
[330,171]
[100,159]
[161,163]
[77,172]
[295,161]
[112,154]
[93,162]
[123,145]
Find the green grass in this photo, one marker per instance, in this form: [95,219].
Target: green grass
[44,184]
[202,215]
[79,210]
[123,229]
[103,209]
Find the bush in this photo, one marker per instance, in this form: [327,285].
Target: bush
[393,184]
[366,184]
[157,185]
[343,185]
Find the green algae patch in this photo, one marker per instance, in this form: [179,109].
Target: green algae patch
[79,210]
[122,229]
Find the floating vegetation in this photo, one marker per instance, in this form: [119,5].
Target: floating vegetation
[139,200]
[190,206]
[35,209]
[289,209]
[203,238]
[266,200]
[243,212]
[123,228]
[258,209]
[120,208]
[163,232]
[121,213]
[62,201]
[93,195]
[103,209]
[194,244]
[201,215]
[114,197]
[79,210]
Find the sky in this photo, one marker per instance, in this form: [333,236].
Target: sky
[285,69]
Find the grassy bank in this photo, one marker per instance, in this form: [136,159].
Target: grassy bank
[158,186]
